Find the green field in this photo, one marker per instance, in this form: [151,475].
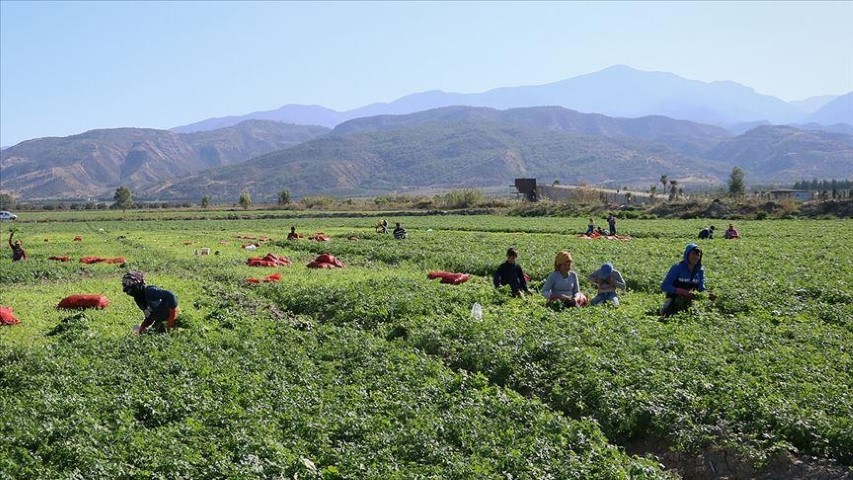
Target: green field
[374,371]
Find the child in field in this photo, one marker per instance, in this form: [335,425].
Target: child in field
[18,252]
[510,273]
[682,280]
[607,280]
[160,306]
[562,285]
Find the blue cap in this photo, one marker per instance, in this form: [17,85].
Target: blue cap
[605,271]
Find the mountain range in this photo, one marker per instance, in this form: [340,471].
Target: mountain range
[649,127]
[98,161]
[618,91]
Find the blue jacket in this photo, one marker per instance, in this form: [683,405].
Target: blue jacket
[680,276]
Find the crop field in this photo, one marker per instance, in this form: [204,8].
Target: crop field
[374,371]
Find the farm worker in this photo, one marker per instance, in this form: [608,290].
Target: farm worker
[293,235]
[707,233]
[607,280]
[382,227]
[400,232]
[160,306]
[590,227]
[562,284]
[682,280]
[599,231]
[731,232]
[510,273]
[611,221]
[18,252]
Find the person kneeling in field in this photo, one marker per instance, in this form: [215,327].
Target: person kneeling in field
[18,252]
[562,285]
[607,280]
[160,306]
[682,280]
[400,232]
[510,273]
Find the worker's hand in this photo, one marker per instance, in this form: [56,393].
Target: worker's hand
[681,292]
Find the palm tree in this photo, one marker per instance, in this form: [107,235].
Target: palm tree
[663,180]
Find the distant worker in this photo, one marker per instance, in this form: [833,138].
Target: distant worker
[562,284]
[731,232]
[293,235]
[607,280]
[611,221]
[682,280]
[18,252]
[382,227]
[160,306]
[707,233]
[601,232]
[510,273]
[590,227]
[400,232]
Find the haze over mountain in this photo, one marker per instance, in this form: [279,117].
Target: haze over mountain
[96,162]
[839,110]
[615,91]
[812,104]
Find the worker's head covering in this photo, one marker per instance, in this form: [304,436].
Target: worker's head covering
[561,258]
[131,280]
[511,252]
[605,271]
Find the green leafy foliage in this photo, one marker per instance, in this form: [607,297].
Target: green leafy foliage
[374,371]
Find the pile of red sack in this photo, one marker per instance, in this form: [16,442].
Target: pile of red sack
[80,302]
[275,277]
[78,238]
[60,259]
[449,277]
[103,260]
[7,317]
[320,237]
[269,260]
[326,261]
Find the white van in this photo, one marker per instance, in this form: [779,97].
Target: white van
[4,215]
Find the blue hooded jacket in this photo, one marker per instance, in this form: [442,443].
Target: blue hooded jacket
[680,276]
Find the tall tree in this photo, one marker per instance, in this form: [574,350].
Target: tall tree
[284,197]
[663,180]
[736,186]
[205,201]
[123,198]
[245,200]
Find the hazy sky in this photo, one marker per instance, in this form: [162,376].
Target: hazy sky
[68,67]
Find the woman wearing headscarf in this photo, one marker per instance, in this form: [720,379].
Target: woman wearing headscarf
[160,306]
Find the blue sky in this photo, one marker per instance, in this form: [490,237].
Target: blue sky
[68,67]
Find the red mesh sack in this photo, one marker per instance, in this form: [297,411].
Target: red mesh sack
[60,258]
[7,317]
[316,264]
[83,301]
[330,259]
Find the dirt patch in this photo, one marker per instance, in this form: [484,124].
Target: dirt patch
[726,464]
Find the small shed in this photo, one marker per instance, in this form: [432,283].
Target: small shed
[783,194]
